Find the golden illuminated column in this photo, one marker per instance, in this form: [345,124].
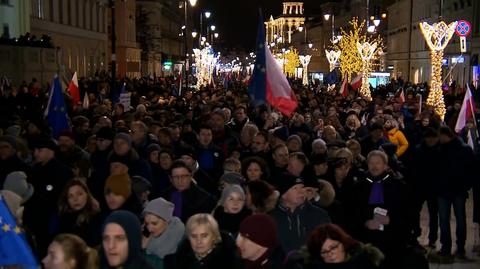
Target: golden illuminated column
[305,60]
[437,37]
[332,57]
[366,51]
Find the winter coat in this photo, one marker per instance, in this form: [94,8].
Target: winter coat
[394,235]
[457,169]
[194,200]
[89,231]
[137,166]
[224,255]
[396,137]
[230,222]
[294,227]
[48,181]
[76,158]
[361,256]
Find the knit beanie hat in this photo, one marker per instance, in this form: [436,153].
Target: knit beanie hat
[232,178]
[228,191]
[287,181]
[17,182]
[125,137]
[295,137]
[260,229]
[160,208]
[119,184]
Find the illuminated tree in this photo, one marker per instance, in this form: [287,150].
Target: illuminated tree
[350,59]
[292,61]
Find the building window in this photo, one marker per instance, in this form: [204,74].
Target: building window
[6,31]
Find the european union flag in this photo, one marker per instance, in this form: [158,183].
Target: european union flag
[257,88]
[14,249]
[57,112]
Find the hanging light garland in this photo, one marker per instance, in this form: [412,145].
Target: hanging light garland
[305,60]
[437,37]
[367,51]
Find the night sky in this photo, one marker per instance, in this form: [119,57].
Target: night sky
[237,20]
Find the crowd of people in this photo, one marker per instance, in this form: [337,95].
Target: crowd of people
[204,179]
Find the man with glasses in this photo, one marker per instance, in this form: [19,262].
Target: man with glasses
[188,198]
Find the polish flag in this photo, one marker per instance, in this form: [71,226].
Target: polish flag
[402,96]
[344,88]
[356,82]
[268,83]
[73,90]
[466,112]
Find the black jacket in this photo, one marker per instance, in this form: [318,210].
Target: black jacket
[10,165]
[294,228]
[230,222]
[457,169]
[195,200]
[224,255]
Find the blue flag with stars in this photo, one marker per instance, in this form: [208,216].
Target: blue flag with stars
[14,249]
[57,111]
[258,83]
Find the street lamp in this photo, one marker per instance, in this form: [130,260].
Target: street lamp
[310,45]
[300,28]
[215,35]
[327,17]
[185,6]
[376,22]
[194,34]
[207,14]
[212,27]
[371,28]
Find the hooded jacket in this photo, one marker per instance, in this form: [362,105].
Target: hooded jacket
[131,225]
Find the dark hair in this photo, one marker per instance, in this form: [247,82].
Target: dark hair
[328,231]
[259,191]
[260,161]
[180,164]
[204,127]
[85,213]
[447,131]
[264,134]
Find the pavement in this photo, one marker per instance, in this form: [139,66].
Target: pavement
[473,261]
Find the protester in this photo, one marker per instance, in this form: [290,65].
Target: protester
[231,209]
[68,251]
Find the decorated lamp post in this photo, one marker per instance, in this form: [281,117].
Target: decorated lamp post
[332,57]
[437,37]
[366,50]
[305,60]
[205,62]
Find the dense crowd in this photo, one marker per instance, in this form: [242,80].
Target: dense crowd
[203,179]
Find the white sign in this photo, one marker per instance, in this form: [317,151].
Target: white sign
[463,44]
[125,100]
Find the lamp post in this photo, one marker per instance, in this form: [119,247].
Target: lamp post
[366,50]
[114,56]
[207,15]
[185,5]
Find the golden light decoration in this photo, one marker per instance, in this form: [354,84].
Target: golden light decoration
[332,57]
[305,60]
[437,37]
[366,51]
[205,62]
[292,61]
[350,60]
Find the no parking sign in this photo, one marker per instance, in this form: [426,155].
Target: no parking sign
[463,30]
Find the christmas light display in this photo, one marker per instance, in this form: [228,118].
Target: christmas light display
[366,51]
[305,60]
[332,57]
[437,37]
[205,62]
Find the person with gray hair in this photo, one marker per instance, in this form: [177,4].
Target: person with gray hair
[377,209]
[231,209]
[319,146]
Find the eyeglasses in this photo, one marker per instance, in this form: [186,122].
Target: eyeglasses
[181,177]
[330,251]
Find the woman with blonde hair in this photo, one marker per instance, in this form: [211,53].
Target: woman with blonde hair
[204,247]
[79,212]
[68,251]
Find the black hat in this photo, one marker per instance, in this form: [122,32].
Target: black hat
[430,132]
[286,181]
[45,141]
[189,151]
[105,133]
[281,133]
[376,126]
[9,140]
